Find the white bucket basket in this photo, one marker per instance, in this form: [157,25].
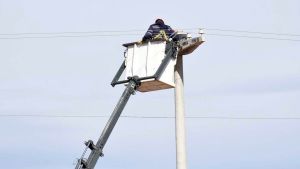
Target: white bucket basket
[143,60]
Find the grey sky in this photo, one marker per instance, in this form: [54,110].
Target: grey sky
[225,77]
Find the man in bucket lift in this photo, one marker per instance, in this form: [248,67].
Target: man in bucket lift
[159,30]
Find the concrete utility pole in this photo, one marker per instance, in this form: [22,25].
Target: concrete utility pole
[180,116]
[181,159]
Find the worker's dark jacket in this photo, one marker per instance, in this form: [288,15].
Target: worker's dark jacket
[154,29]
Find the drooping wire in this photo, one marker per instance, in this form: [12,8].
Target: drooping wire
[139,32]
[145,117]
[142,30]
[252,37]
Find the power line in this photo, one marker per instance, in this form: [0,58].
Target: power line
[119,35]
[251,32]
[142,30]
[68,36]
[134,32]
[72,32]
[253,37]
[145,117]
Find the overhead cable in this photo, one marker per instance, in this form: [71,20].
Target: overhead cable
[145,117]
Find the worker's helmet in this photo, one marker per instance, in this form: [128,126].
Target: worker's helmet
[159,21]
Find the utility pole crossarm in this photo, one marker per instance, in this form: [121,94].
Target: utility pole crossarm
[188,46]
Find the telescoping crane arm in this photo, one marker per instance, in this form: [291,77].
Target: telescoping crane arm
[132,84]
[96,150]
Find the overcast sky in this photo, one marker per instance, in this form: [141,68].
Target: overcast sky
[226,77]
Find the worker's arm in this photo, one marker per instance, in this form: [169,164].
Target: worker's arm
[170,32]
[148,35]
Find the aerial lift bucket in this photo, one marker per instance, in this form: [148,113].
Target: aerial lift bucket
[154,62]
[143,60]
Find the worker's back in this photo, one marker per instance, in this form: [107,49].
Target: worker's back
[156,28]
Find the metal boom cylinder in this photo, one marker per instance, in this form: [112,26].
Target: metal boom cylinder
[97,151]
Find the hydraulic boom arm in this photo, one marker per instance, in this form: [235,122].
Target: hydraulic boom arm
[96,150]
[132,84]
